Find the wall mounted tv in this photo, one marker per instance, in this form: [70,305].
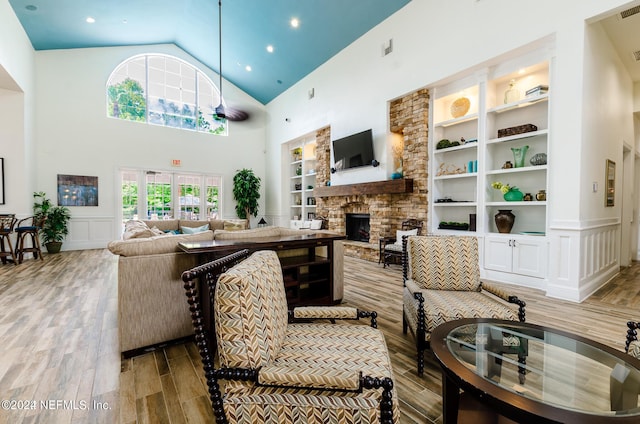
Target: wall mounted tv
[353,151]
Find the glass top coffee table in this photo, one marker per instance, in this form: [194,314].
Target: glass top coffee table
[534,374]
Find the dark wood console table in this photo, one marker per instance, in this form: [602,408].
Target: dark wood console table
[306,259]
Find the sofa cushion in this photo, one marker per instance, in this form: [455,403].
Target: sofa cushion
[234,224]
[165,243]
[163,224]
[138,229]
[193,230]
[400,234]
[247,234]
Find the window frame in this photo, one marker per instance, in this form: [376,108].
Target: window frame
[175,211]
[165,109]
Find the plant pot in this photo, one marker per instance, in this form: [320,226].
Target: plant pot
[53,246]
[504,220]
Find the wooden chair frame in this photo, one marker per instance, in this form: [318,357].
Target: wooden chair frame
[205,277]
[420,333]
[387,255]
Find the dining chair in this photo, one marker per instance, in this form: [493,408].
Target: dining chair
[29,229]
[7,222]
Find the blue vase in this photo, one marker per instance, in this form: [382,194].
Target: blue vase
[513,195]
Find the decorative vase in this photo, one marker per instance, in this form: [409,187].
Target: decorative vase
[541,195]
[512,94]
[538,159]
[504,220]
[513,195]
[518,155]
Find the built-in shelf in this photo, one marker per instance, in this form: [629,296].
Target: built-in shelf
[402,185]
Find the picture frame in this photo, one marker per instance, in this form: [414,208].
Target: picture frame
[2,201]
[610,187]
[77,190]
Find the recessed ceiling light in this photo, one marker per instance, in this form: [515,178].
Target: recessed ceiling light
[270,48]
[31,8]
[124,21]
[248,68]
[90,20]
[295,22]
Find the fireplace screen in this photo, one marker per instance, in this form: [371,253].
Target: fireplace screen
[357,226]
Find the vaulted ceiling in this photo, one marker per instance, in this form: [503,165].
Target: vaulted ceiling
[249,27]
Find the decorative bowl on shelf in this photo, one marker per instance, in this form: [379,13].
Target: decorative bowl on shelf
[538,159]
[460,107]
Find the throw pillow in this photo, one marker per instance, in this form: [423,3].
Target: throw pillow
[316,224]
[156,231]
[399,235]
[194,230]
[233,225]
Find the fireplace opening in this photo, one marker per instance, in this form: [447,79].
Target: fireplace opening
[357,226]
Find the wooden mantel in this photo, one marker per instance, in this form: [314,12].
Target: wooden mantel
[402,185]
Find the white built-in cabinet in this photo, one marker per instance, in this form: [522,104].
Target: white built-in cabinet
[301,155]
[461,175]
[516,254]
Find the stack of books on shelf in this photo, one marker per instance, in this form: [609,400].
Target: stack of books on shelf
[537,91]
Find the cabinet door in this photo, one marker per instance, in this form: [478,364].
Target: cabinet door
[530,257]
[498,253]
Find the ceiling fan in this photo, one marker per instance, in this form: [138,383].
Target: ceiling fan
[221,111]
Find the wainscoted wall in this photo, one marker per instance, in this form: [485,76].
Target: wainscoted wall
[585,258]
[89,232]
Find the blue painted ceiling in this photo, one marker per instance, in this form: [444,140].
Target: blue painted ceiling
[248,27]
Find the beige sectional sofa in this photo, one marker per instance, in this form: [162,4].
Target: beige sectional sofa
[152,306]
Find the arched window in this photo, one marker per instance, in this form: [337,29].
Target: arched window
[164,90]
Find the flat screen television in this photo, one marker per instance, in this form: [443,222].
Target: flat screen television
[353,151]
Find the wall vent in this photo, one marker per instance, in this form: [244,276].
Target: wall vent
[630,12]
[636,55]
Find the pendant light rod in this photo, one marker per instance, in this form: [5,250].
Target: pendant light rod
[220,113]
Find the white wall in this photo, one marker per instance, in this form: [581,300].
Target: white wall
[586,248]
[17,70]
[75,136]
[433,41]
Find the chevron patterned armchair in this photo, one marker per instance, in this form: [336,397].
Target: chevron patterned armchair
[632,344]
[442,283]
[277,366]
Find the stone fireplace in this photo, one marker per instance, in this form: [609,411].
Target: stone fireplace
[387,203]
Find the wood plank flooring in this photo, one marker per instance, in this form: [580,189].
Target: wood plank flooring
[59,359]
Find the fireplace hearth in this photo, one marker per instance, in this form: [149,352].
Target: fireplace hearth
[357,227]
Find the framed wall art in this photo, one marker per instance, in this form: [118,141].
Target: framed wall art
[77,190]
[610,181]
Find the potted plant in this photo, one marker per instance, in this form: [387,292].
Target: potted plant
[54,219]
[297,153]
[246,192]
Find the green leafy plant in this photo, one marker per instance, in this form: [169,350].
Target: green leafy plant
[246,192]
[54,219]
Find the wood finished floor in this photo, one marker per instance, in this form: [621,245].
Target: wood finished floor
[59,348]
